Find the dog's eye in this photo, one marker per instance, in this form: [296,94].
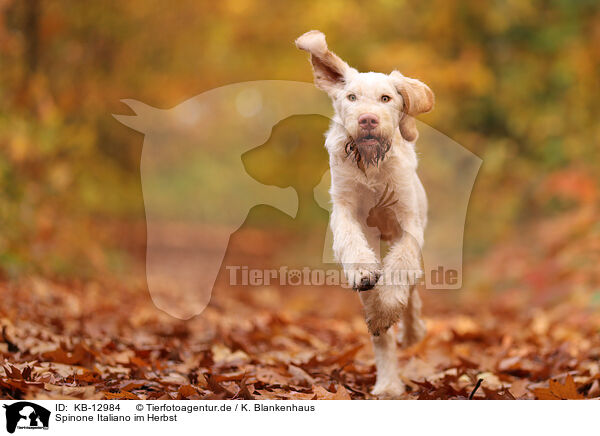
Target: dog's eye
[351,97]
[385,98]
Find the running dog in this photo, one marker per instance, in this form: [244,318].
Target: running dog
[376,195]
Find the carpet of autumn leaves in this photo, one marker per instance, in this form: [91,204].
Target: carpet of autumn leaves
[515,83]
[524,327]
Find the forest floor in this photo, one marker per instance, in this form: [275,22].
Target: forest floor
[527,325]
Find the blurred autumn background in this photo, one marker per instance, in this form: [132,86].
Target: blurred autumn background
[516,83]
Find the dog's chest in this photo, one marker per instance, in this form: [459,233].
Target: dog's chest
[377,203]
[371,186]
[376,180]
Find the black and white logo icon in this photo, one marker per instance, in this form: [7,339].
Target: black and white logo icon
[26,415]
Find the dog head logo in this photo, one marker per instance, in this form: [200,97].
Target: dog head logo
[197,191]
[26,415]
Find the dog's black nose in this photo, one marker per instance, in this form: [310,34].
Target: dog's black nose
[368,121]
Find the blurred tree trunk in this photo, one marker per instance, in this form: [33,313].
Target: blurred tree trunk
[30,19]
[32,35]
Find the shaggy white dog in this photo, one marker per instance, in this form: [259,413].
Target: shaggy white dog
[376,195]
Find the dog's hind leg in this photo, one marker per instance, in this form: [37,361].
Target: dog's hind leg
[411,329]
[388,384]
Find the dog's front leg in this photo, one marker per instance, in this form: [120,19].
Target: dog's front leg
[361,266]
[351,248]
[402,269]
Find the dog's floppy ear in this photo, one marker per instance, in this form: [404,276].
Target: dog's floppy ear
[330,71]
[418,99]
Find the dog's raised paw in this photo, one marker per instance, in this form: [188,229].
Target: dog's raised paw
[380,323]
[363,279]
[380,318]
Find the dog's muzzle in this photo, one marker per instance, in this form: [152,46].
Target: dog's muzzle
[367,149]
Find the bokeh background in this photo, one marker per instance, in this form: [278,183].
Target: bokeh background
[516,83]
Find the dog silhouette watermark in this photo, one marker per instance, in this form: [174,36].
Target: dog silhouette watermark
[198,190]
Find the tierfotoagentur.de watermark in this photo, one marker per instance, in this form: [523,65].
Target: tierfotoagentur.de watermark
[239,275]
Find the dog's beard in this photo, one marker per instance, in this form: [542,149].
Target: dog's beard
[366,154]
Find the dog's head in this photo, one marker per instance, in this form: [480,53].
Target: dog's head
[371,106]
